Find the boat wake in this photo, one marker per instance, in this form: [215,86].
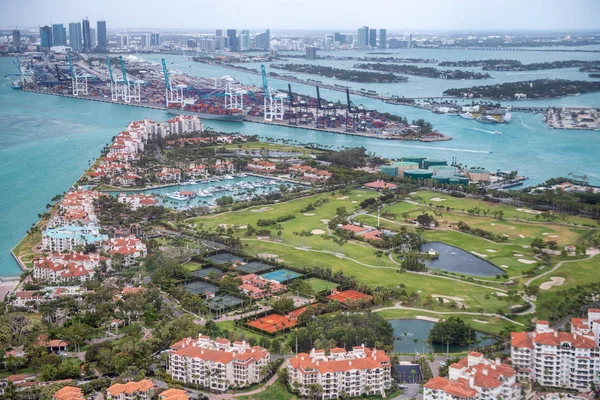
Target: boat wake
[482,130]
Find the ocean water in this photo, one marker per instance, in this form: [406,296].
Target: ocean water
[46,142]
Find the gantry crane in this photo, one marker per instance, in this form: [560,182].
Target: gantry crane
[273,103]
[173,95]
[79,81]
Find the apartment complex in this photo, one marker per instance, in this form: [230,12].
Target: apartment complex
[356,372]
[66,238]
[216,364]
[475,377]
[552,358]
[67,267]
[130,248]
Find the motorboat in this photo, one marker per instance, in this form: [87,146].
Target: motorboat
[181,196]
[189,182]
[467,115]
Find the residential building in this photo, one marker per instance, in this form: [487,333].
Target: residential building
[93,38]
[145,41]
[102,40]
[264,167]
[475,377]
[257,287]
[130,248]
[184,124]
[173,394]
[169,175]
[197,170]
[16,40]
[382,38]
[75,38]
[309,173]
[46,38]
[68,393]
[232,39]
[59,35]
[408,40]
[559,359]
[142,390]
[263,40]
[373,38]
[87,35]
[123,42]
[138,200]
[66,267]
[362,38]
[223,167]
[311,52]
[70,236]
[356,372]
[216,364]
[53,346]
[245,40]
[155,40]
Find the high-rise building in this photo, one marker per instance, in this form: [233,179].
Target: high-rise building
[155,40]
[382,38]
[87,35]
[219,32]
[145,42]
[373,38]
[191,43]
[46,37]
[408,40]
[245,40]
[337,37]
[362,39]
[16,40]
[311,52]
[102,41]
[123,41]
[93,38]
[59,37]
[75,36]
[232,38]
[263,40]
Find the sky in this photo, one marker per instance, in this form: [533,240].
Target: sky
[394,15]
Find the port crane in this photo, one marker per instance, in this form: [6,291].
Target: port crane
[329,111]
[355,111]
[273,103]
[25,75]
[133,91]
[79,82]
[118,88]
[173,95]
[295,107]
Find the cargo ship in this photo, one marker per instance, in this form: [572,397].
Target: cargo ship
[208,112]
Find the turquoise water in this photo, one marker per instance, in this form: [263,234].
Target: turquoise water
[46,142]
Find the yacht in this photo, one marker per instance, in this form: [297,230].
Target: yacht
[228,177]
[177,196]
[467,115]
[189,182]
[507,117]
[487,119]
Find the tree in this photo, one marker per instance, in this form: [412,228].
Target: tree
[284,304]
[452,331]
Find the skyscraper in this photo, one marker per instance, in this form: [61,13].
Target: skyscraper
[87,35]
[59,36]
[362,39]
[123,41]
[233,41]
[102,41]
[311,52]
[45,37]
[219,32]
[155,40]
[408,40]
[263,40]
[93,38]
[16,40]
[75,36]
[382,38]
[373,38]
[245,40]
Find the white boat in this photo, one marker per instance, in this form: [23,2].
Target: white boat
[496,133]
[190,182]
[181,196]
[228,177]
[242,175]
[507,117]
[467,115]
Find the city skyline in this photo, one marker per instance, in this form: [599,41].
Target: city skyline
[428,15]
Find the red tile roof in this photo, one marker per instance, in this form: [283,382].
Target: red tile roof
[453,388]
[521,340]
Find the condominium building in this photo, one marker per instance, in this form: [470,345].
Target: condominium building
[142,390]
[356,372]
[216,364]
[67,267]
[130,248]
[564,359]
[475,377]
[70,236]
[264,167]
[137,200]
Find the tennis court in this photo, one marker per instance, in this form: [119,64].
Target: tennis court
[350,295]
[205,273]
[272,323]
[281,275]
[225,258]
[201,288]
[255,267]
[320,285]
[223,302]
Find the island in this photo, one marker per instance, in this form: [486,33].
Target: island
[342,74]
[428,72]
[537,89]
[516,65]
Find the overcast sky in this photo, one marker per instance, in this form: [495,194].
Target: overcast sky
[309,14]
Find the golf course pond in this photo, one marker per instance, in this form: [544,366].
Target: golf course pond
[453,259]
[406,330]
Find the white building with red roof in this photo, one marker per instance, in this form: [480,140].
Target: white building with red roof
[475,377]
[257,287]
[66,267]
[130,247]
[184,124]
[263,167]
[169,175]
[558,359]
[137,200]
[308,173]
[356,372]
[216,364]
[223,167]
[142,390]
[197,170]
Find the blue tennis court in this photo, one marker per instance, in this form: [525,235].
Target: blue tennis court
[281,275]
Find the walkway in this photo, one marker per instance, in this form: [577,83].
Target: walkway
[256,391]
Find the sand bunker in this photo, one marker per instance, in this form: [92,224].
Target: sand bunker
[492,224]
[354,201]
[263,209]
[317,231]
[455,298]
[524,261]
[505,235]
[430,319]
[491,251]
[479,255]
[481,322]
[528,211]
[554,281]
[223,225]
[341,198]
[309,214]
[544,233]
[437,199]
[525,246]
[553,236]
[325,221]
[359,195]
[242,227]
[521,236]
[267,256]
[504,266]
[512,227]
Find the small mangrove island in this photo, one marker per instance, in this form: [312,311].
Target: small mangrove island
[537,89]
[342,74]
[516,65]
[428,72]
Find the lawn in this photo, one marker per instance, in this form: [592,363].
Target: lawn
[268,146]
[276,391]
[320,285]
[28,241]
[192,266]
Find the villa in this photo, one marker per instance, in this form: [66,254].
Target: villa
[142,390]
